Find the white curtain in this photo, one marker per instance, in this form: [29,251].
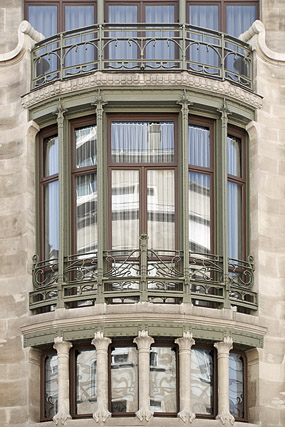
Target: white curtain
[51,220]
[199,146]
[206,16]
[234,156]
[142,142]
[86,213]
[78,17]
[240,18]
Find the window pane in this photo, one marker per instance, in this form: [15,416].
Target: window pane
[234,220]
[86,213]
[234,156]
[161,209]
[124,379]
[125,209]
[236,385]
[239,18]
[51,220]
[86,386]
[43,19]
[86,147]
[199,146]
[206,16]
[50,156]
[50,386]
[163,379]
[202,381]
[78,16]
[199,212]
[142,142]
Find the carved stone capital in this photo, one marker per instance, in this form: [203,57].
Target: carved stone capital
[185,343]
[225,346]
[143,341]
[62,347]
[100,342]
[144,414]
[61,418]
[226,418]
[101,415]
[186,416]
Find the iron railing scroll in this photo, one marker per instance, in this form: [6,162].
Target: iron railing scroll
[143,274]
[142,48]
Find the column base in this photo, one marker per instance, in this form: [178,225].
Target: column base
[226,418]
[144,414]
[61,418]
[101,415]
[186,416]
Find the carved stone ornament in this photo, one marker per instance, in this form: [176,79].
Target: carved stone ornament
[61,418]
[186,416]
[101,415]
[226,418]
[143,341]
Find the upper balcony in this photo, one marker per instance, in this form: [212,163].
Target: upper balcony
[142,48]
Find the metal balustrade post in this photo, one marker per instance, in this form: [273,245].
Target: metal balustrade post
[143,266]
[223,62]
[61,57]
[100,47]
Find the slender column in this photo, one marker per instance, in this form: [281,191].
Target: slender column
[102,343]
[185,345]
[224,348]
[224,121]
[143,341]
[62,347]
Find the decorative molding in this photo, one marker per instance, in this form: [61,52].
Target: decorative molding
[141,80]
[25,29]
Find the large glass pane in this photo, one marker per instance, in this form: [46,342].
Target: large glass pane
[50,386]
[124,379]
[234,220]
[86,382]
[79,50]
[122,46]
[86,147]
[86,213]
[142,142]
[236,385]
[159,50]
[240,18]
[163,379]
[199,146]
[51,220]
[125,209]
[202,381]
[161,209]
[50,156]
[43,19]
[234,156]
[203,48]
[199,212]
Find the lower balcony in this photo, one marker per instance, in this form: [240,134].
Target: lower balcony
[143,275]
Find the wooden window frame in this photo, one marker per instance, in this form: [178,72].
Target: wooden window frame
[44,356]
[143,168]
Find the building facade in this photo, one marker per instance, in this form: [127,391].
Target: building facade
[142,213]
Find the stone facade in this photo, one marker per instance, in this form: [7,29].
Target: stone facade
[19,364]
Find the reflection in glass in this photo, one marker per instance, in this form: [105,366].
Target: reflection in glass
[50,156]
[86,147]
[121,47]
[199,212]
[124,379]
[86,213]
[202,381]
[234,220]
[161,209]
[236,385]
[234,156]
[163,379]
[51,220]
[142,142]
[160,49]
[125,209]
[50,386]
[205,16]
[86,386]
[199,146]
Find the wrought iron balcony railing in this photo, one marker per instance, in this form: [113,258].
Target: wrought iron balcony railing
[142,47]
[143,274]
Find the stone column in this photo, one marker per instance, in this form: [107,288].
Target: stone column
[102,343]
[224,348]
[62,347]
[143,341]
[185,345]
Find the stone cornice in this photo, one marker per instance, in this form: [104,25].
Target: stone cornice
[152,81]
